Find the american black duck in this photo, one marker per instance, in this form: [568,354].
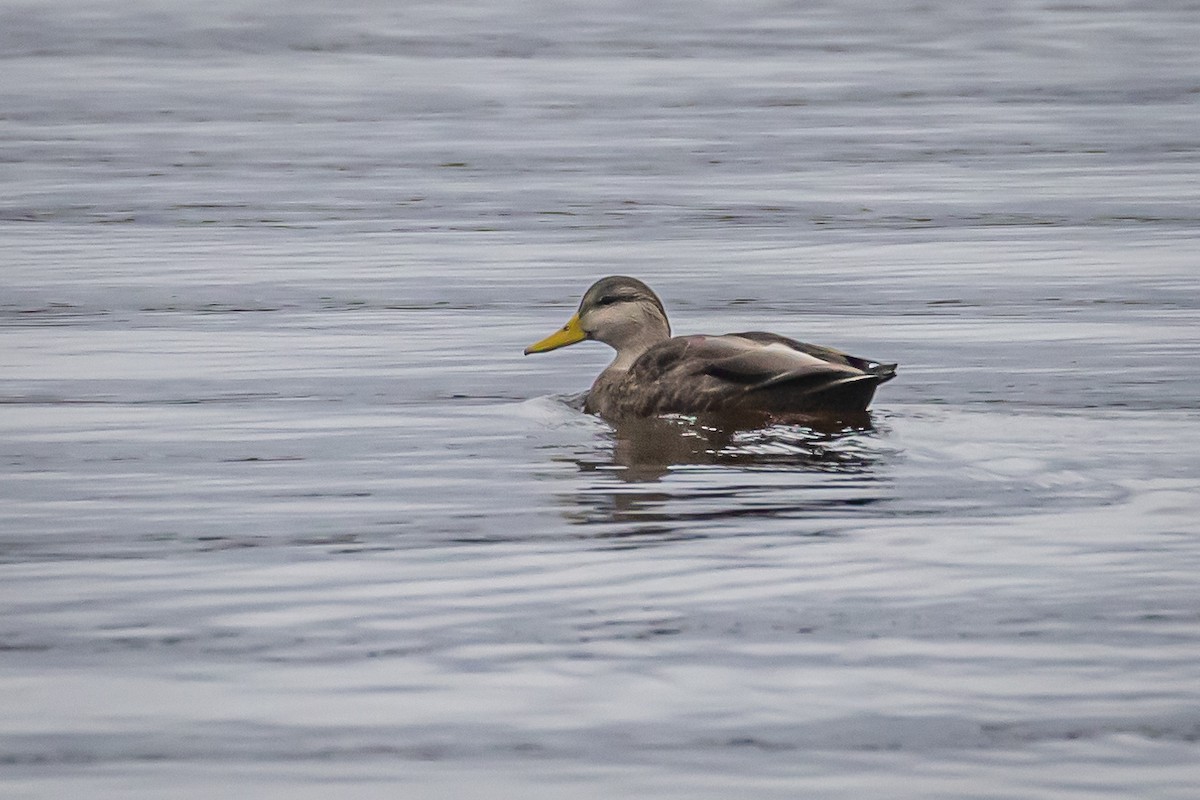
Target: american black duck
[743,374]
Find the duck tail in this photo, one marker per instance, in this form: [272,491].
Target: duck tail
[805,391]
[884,372]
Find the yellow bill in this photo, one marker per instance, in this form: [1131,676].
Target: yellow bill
[568,334]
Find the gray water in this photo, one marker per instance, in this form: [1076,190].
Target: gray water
[285,513]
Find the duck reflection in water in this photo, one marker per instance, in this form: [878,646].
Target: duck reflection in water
[823,466]
[647,449]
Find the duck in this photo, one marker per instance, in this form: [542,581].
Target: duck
[754,373]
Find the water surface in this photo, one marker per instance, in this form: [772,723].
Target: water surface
[285,512]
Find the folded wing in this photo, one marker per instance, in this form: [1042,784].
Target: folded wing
[749,371]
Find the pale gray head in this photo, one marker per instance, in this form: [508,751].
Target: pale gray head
[620,311]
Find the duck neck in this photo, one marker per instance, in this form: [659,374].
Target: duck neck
[631,348]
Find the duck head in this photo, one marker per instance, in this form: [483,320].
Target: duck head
[620,311]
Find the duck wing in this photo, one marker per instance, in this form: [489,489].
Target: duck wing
[755,364]
[760,373]
[885,372]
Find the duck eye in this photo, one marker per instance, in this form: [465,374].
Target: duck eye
[609,299]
